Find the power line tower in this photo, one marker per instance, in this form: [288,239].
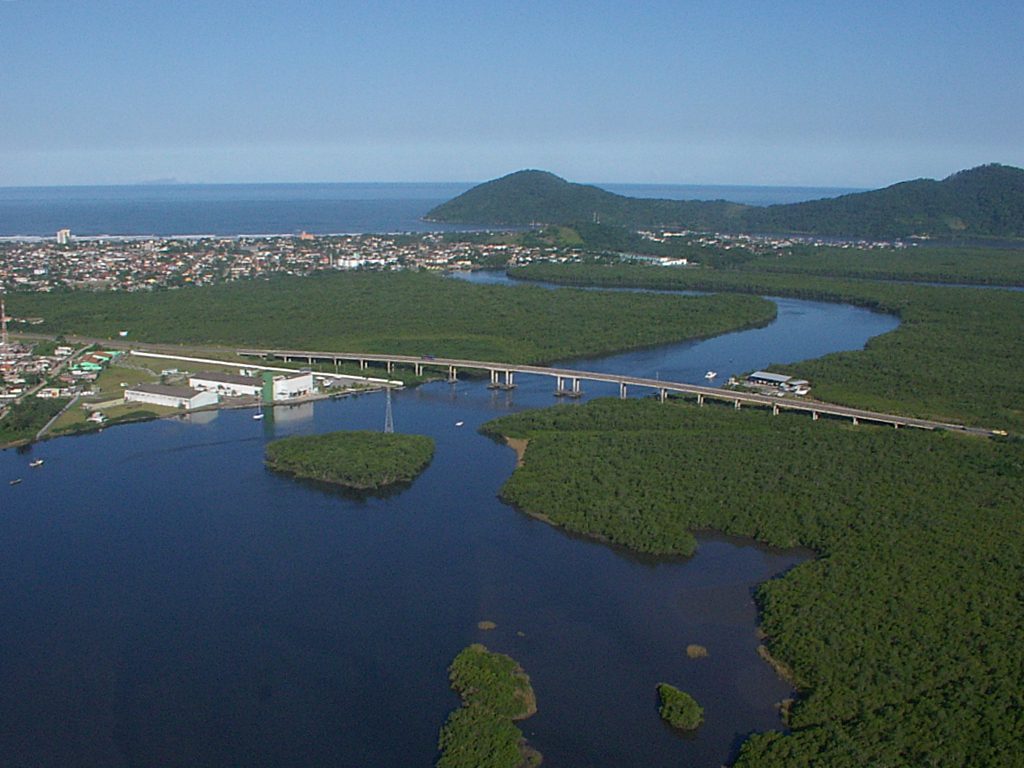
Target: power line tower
[4,345]
[389,420]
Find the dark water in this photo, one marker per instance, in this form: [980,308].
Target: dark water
[222,209]
[167,601]
[232,209]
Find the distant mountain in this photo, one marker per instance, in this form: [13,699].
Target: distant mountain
[984,201]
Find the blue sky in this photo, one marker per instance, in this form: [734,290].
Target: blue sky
[796,93]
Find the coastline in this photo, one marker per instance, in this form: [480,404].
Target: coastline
[90,428]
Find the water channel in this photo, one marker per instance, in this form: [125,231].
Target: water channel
[167,601]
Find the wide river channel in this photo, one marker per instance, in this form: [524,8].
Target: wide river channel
[166,601]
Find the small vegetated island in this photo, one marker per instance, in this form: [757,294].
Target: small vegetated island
[363,461]
[482,733]
[678,708]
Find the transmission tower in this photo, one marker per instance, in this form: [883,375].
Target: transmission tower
[389,420]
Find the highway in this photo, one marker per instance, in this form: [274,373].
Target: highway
[568,383]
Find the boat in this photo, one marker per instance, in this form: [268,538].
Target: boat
[459,423]
[36,463]
[259,411]
[15,481]
[710,375]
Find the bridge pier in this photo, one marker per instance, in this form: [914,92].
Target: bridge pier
[623,394]
[814,415]
[362,363]
[418,367]
[391,366]
[662,395]
[494,379]
[855,422]
[453,374]
[700,399]
[509,380]
[736,404]
[775,410]
[563,390]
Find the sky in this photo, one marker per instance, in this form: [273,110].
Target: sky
[851,94]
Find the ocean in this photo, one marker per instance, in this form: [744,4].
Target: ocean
[253,209]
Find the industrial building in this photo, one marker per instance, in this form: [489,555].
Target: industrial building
[186,398]
[287,387]
[766,378]
[781,381]
[226,384]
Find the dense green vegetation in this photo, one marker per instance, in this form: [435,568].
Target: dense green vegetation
[529,197]
[359,460]
[481,734]
[984,266]
[956,356]
[988,200]
[26,417]
[678,708]
[903,635]
[403,313]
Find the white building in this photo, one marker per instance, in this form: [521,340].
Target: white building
[226,384]
[63,236]
[170,397]
[288,387]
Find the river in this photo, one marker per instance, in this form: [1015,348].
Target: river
[168,601]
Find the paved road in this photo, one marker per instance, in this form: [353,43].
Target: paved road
[571,376]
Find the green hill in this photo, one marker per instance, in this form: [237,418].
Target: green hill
[531,197]
[983,201]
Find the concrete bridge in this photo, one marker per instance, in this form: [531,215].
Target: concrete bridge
[568,383]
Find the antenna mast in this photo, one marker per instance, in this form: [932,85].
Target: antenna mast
[389,421]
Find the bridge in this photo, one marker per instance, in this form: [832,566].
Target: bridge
[568,383]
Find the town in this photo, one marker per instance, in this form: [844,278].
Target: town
[65,262]
[141,264]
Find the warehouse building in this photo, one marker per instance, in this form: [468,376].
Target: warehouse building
[288,387]
[781,381]
[226,384]
[766,378]
[186,398]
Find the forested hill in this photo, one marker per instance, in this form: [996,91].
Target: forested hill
[983,201]
[529,197]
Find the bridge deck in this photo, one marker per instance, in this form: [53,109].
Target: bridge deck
[815,407]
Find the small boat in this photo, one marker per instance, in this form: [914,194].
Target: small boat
[710,375]
[459,423]
[259,411]
[15,481]
[257,416]
[36,463]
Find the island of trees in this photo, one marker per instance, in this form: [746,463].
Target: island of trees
[902,635]
[357,460]
[678,708]
[987,200]
[495,692]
